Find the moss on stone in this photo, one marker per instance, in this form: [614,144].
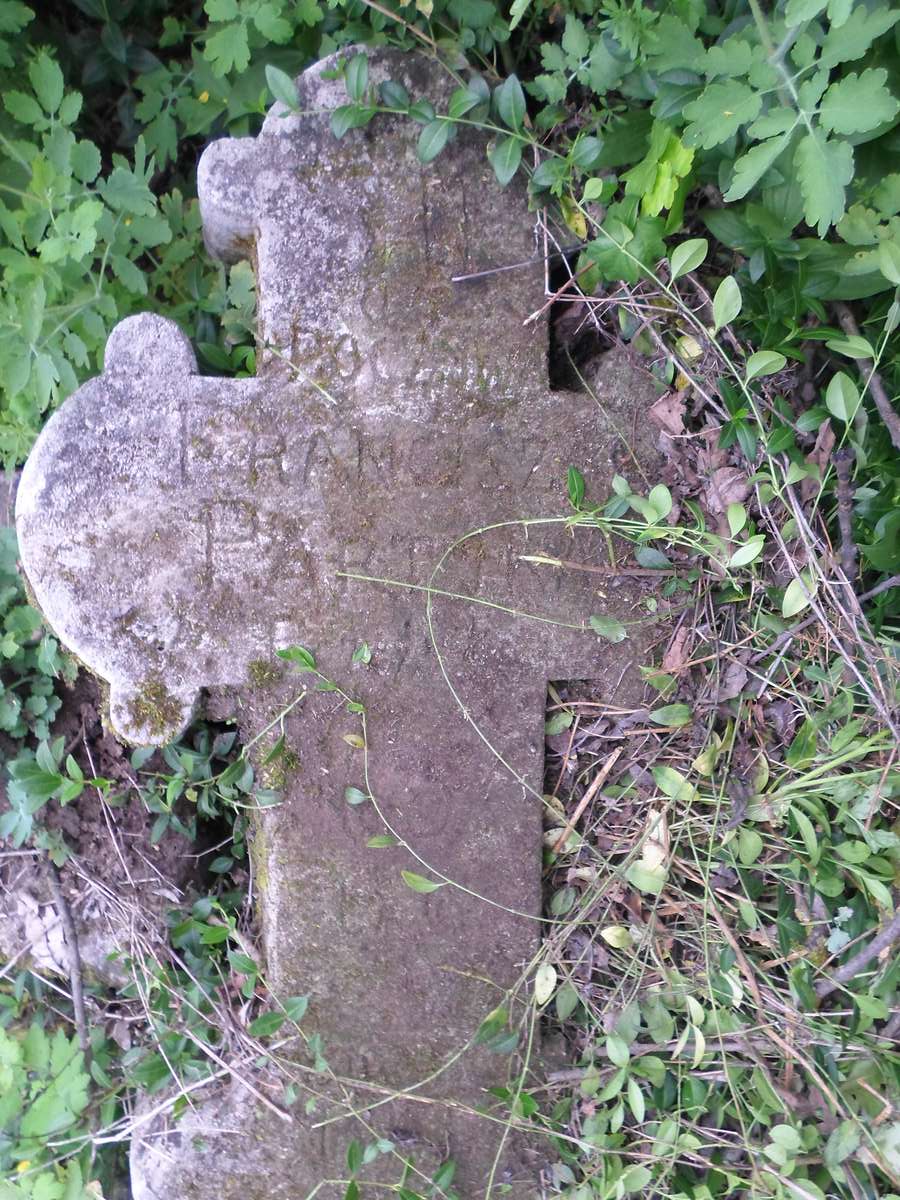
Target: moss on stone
[154,708]
[261,673]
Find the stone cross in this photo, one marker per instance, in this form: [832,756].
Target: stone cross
[178,529]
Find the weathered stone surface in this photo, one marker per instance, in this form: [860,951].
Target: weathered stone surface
[400,428]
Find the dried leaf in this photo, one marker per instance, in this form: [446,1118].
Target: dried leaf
[728,485]
[677,653]
[668,413]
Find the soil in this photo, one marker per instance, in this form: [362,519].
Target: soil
[116,879]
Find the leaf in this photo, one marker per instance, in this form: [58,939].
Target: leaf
[354,1156]
[381,841]
[282,87]
[736,516]
[823,168]
[505,155]
[362,654]
[798,11]
[650,880]
[763,362]
[803,747]
[842,1142]
[350,116]
[798,594]
[86,164]
[889,261]
[544,983]
[672,714]
[749,552]
[299,656]
[228,49]
[851,41]
[575,486]
[858,103]
[355,796]
[750,846]
[752,166]
[24,108]
[433,139]
[356,77]
[673,784]
[719,112]
[726,303]
[617,936]
[851,346]
[47,81]
[617,1050]
[609,628]
[510,101]
[266,1025]
[634,1179]
[660,500]
[419,883]
[394,95]
[517,11]
[842,397]
[687,256]
[557,723]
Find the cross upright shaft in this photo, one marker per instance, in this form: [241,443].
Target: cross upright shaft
[400,428]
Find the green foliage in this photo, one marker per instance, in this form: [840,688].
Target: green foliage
[30,658]
[44,1091]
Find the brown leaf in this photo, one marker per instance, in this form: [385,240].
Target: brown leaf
[727,485]
[732,682]
[668,413]
[677,653]
[819,457]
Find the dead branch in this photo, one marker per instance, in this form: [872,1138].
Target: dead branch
[73,954]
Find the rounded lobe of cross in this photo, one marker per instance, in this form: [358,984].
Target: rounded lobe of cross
[91,517]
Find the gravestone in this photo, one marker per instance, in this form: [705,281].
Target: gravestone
[177,530]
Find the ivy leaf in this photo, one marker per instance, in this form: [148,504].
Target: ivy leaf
[842,397]
[350,116]
[432,140]
[609,628]
[824,168]
[356,77]
[672,714]
[282,87]
[798,594]
[726,302]
[298,655]
[419,883]
[544,983]
[763,362]
[505,156]
[266,1025]
[719,112]
[687,256]
[858,103]
[510,101]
